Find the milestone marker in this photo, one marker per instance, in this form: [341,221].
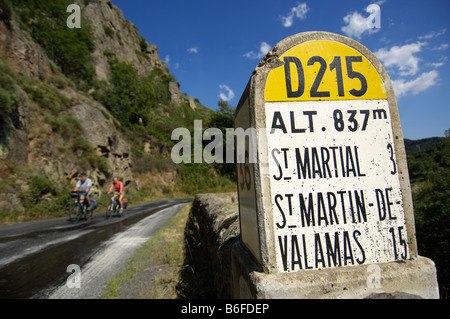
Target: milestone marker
[329,185]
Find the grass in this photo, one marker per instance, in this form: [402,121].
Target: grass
[154,270]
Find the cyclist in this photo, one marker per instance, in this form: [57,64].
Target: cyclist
[120,189]
[84,185]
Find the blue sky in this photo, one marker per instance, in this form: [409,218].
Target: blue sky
[212,47]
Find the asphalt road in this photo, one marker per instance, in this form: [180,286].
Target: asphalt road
[34,256]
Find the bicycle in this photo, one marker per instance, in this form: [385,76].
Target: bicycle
[114,206]
[79,209]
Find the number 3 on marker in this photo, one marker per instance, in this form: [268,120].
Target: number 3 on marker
[391,151]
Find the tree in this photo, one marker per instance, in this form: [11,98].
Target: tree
[225,108]
[129,98]
[222,120]
[430,172]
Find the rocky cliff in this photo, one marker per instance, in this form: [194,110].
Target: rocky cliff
[52,123]
[25,137]
[113,33]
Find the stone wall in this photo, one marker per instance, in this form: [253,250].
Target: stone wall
[217,217]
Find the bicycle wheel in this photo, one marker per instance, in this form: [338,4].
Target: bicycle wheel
[89,214]
[74,213]
[118,214]
[109,211]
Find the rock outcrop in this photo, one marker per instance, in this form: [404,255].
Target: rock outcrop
[98,130]
[113,33]
[24,55]
[192,103]
[14,133]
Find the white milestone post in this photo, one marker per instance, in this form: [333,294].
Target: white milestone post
[328,193]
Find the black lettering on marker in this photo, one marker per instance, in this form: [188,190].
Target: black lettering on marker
[307,214]
[310,119]
[301,77]
[283,251]
[348,252]
[303,166]
[320,258]
[357,163]
[321,211]
[316,168]
[296,258]
[332,208]
[356,234]
[277,118]
[326,250]
[277,178]
[293,128]
[325,158]
[278,196]
[333,253]
[305,255]
[334,148]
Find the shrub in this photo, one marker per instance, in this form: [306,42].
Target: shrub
[46,96]
[143,44]
[5,12]
[67,126]
[129,98]
[44,198]
[69,48]
[9,94]
[108,31]
[39,185]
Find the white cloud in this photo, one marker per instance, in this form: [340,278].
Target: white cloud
[167,59]
[263,49]
[402,57]
[436,64]
[356,26]
[441,62]
[442,47]
[226,96]
[421,83]
[193,50]
[299,12]
[433,34]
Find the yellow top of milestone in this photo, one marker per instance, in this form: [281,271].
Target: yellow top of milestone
[323,70]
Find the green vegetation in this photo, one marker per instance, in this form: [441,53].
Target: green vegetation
[201,178]
[9,94]
[128,98]
[44,197]
[40,195]
[5,12]
[413,146]
[140,106]
[108,31]
[143,44]
[153,272]
[222,120]
[430,179]
[69,48]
